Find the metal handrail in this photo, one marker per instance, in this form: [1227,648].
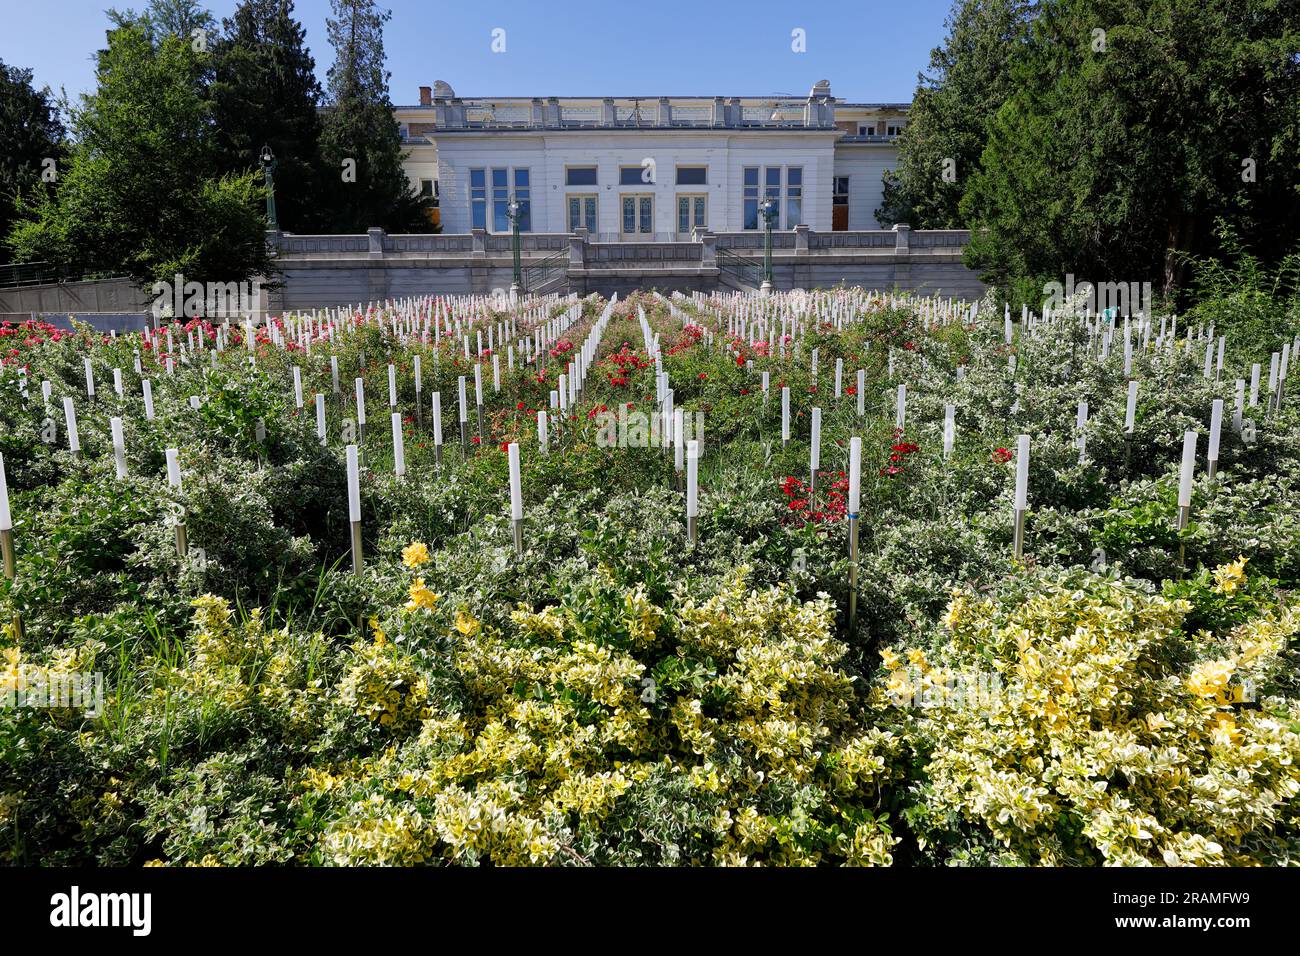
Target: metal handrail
[15,274]
[537,274]
[746,271]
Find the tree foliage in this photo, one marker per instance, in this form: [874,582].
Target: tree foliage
[31,131]
[164,18]
[361,143]
[1104,138]
[969,78]
[143,194]
[265,93]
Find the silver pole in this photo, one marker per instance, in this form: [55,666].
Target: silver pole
[1018,546]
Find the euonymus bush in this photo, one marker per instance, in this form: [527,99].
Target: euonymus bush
[612,695]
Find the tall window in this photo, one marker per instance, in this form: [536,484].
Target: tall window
[772,187]
[793,196]
[839,203]
[523,196]
[426,189]
[775,186]
[478,198]
[500,199]
[772,191]
[750,197]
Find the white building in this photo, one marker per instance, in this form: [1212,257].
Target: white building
[650,168]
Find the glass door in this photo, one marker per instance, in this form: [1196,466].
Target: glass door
[582,213]
[638,216]
[691,208]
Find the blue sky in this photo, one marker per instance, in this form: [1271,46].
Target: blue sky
[870,50]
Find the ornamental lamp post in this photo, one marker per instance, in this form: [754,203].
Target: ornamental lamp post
[512,213]
[768,209]
[268,168]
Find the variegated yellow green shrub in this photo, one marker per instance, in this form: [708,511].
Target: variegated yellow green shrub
[729,716]
[1086,726]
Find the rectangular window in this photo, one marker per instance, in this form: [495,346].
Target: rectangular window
[426,189]
[866,130]
[772,182]
[523,195]
[839,203]
[580,176]
[478,198]
[632,175]
[750,197]
[692,175]
[500,199]
[793,196]
[893,129]
[772,191]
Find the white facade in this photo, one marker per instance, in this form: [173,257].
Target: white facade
[649,161]
[865,166]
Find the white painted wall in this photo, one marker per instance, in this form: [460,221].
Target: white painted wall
[865,164]
[420,162]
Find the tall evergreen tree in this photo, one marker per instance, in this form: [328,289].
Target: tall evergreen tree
[143,194]
[31,132]
[265,93]
[969,78]
[361,140]
[164,18]
[1134,126]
